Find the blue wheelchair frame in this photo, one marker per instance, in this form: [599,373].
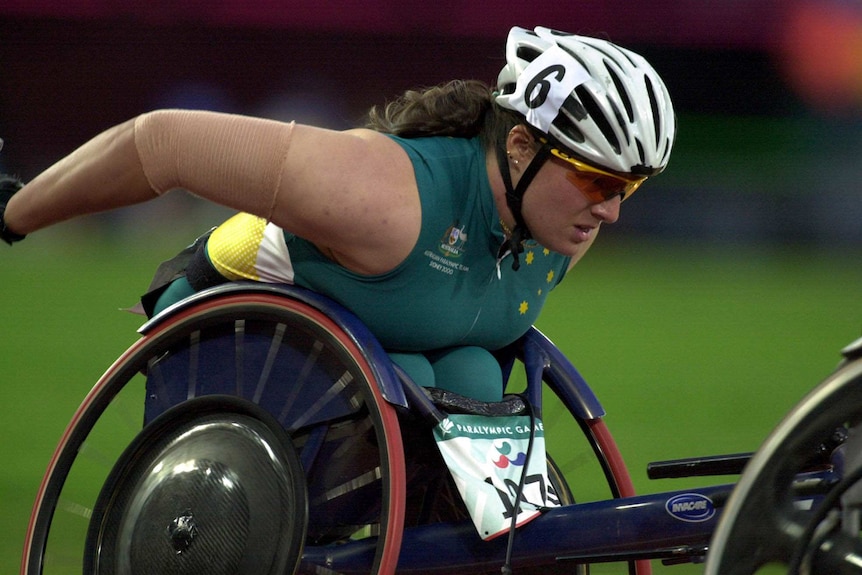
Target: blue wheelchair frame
[673,526]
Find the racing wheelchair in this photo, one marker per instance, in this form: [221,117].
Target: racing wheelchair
[258,428]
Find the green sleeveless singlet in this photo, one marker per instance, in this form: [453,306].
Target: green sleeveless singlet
[451,290]
[448,302]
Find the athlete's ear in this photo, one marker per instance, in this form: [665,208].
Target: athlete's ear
[520,144]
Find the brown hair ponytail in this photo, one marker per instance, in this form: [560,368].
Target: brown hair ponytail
[460,108]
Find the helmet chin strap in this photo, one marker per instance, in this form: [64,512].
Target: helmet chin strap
[515,198]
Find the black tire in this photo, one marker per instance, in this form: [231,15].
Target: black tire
[761,523]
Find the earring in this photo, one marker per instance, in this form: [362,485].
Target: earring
[514,160]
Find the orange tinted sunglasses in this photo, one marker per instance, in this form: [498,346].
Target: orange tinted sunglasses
[605,185]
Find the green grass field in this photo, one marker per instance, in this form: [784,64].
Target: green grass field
[692,350]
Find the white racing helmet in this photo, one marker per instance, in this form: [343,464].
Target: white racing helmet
[602,103]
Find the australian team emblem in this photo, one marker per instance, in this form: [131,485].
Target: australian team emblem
[453,242]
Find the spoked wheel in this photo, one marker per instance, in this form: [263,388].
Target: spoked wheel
[763,525]
[278,354]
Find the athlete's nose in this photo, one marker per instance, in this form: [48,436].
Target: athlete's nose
[607,211]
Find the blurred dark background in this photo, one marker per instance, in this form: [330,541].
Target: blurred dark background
[696,348]
[768,92]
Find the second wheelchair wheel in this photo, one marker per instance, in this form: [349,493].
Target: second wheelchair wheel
[764,524]
[277,353]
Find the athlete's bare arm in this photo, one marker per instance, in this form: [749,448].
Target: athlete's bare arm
[352,193]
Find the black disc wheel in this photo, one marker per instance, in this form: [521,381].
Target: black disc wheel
[213,486]
[277,353]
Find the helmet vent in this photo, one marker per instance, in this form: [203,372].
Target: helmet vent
[574,108]
[667,148]
[569,129]
[641,153]
[620,121]
[528,53]
[595,112]
[614,54]
[576,56]
[559,33]
[621,89]
[656,114]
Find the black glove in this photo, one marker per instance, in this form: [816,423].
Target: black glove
[8,186]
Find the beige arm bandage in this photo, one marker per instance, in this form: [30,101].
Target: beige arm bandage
[235,161]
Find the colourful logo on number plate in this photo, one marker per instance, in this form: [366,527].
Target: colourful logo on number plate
[691,507]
